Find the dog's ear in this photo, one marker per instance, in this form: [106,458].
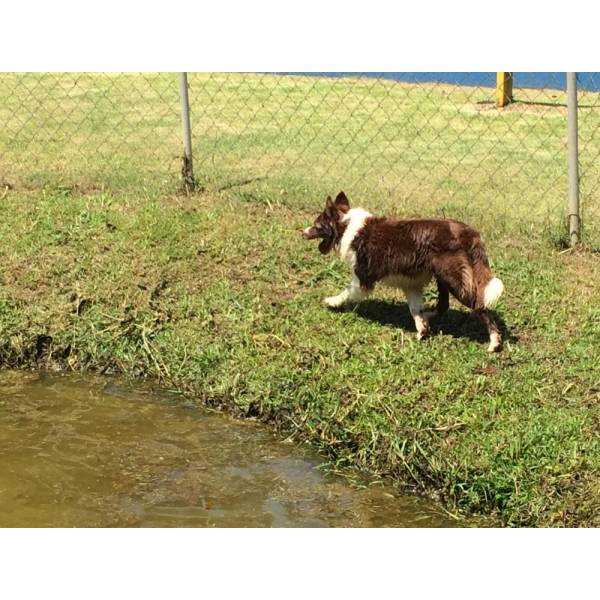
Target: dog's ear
[330,209]
[342,203]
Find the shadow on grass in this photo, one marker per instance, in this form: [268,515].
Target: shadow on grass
[234,184]
[457,323]
[548,103]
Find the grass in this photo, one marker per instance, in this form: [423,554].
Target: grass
[218,297]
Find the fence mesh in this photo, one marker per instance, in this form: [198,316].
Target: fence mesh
[89,129]
[416,143]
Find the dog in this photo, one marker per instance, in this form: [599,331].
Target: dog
[407,254]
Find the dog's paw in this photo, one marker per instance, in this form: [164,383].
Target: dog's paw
[422,325]
[334,301]
[423,333]
[495,343]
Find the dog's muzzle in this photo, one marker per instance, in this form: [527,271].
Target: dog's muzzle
[310,233]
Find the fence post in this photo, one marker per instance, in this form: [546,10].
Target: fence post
[572,142]
[187,168]
[504,88]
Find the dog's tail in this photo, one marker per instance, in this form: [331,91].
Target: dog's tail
[492,292]
[488,288]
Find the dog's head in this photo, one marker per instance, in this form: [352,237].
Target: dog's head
[328,226]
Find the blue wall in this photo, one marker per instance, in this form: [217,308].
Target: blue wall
[586,81]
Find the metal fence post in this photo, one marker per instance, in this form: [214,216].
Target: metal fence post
[573,200]
[504,88]
[187,169]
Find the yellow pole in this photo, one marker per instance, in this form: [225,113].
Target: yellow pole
[504,88]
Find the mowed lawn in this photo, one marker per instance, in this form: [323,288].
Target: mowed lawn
[108,267]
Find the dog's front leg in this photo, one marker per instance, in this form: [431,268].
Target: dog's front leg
[353,293]
[416,307]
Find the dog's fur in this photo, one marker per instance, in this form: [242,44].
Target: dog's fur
[408,253]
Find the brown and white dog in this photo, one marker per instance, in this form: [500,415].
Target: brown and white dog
[407,254]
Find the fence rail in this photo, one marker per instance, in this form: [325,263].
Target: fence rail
[421,143]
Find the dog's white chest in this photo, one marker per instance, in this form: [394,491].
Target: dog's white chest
[355,218]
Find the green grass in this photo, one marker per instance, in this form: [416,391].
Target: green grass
[216,295]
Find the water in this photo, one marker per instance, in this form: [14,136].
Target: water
[86,453]
[549,80]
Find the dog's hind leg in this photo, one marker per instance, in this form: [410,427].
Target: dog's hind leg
[353,293]
[455,275]
[443,298]
[493,331]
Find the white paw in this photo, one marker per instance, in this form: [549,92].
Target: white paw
[422,327]
[422,334]
[495,343]
[334,301]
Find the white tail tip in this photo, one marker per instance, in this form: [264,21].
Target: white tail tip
[493,291]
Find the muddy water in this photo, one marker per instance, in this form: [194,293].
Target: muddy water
[87,453]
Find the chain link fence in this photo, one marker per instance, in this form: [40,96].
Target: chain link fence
[410,143]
